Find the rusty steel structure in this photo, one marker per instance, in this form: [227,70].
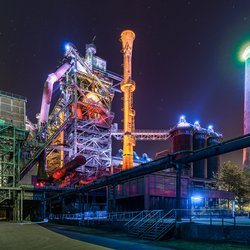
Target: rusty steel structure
[128,87]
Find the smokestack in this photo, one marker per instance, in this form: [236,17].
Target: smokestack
[246,151]
[128,87]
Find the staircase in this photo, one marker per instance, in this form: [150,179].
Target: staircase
[136,218]
[161,227]
[137,229]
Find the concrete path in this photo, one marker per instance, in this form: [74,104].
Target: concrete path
[32,236]
[15,236]
[115,240]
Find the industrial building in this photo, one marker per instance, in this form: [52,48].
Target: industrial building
[70,146]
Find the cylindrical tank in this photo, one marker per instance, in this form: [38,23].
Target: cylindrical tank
[199,142]
[181,136]
[78,161]
[212,162]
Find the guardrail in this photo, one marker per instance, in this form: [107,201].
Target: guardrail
[203,216]
[211,216]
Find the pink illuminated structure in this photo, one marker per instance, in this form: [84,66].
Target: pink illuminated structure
[47,91]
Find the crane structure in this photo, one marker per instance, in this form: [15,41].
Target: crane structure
[128,87]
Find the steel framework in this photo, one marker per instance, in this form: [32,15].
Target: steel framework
[11,139]
[143,134]
[81,120]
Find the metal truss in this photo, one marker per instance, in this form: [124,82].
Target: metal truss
[10,156]
[143,135]
[85,101]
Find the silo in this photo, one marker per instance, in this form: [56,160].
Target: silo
[199,142]
[212,162]
[181,136]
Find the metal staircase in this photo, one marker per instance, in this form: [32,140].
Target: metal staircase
[161,227]
[135,219]
[142,225]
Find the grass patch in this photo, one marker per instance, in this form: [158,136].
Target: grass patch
[198,245]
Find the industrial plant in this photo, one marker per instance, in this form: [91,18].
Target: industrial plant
[64,164]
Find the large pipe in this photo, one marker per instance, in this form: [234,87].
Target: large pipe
[246,151]
[128,87]
[47,92]
[78,161]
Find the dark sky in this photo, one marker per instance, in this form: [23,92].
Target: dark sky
[184,59]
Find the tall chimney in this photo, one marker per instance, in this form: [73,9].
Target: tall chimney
[128,87]
[246,151]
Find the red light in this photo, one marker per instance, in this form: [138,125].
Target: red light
[40,184]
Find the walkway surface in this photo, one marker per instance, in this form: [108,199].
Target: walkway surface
[15,236]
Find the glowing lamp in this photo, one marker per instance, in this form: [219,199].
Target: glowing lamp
[196,199]
[210,129]
[182,119]
[197,125]
[93,97]
[67,47]
[182,122]
[246,53]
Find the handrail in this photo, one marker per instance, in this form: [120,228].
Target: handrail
[153,215]
[168,220]
[140,215]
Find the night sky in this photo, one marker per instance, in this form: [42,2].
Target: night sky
[185,57]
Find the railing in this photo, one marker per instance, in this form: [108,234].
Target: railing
[129,216]
[136,218]
[209,216]
[147,221]
[160,227]
[80,216]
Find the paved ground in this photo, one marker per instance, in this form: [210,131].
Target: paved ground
[47,237]
[31,236]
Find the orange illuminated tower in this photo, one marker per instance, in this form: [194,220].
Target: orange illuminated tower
[128,87]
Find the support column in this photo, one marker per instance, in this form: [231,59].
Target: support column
[21,206]
[44,205]
[114,198]
[146,193]
[178,192]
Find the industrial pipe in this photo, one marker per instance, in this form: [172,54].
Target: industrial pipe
[78,161]
[47,92]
